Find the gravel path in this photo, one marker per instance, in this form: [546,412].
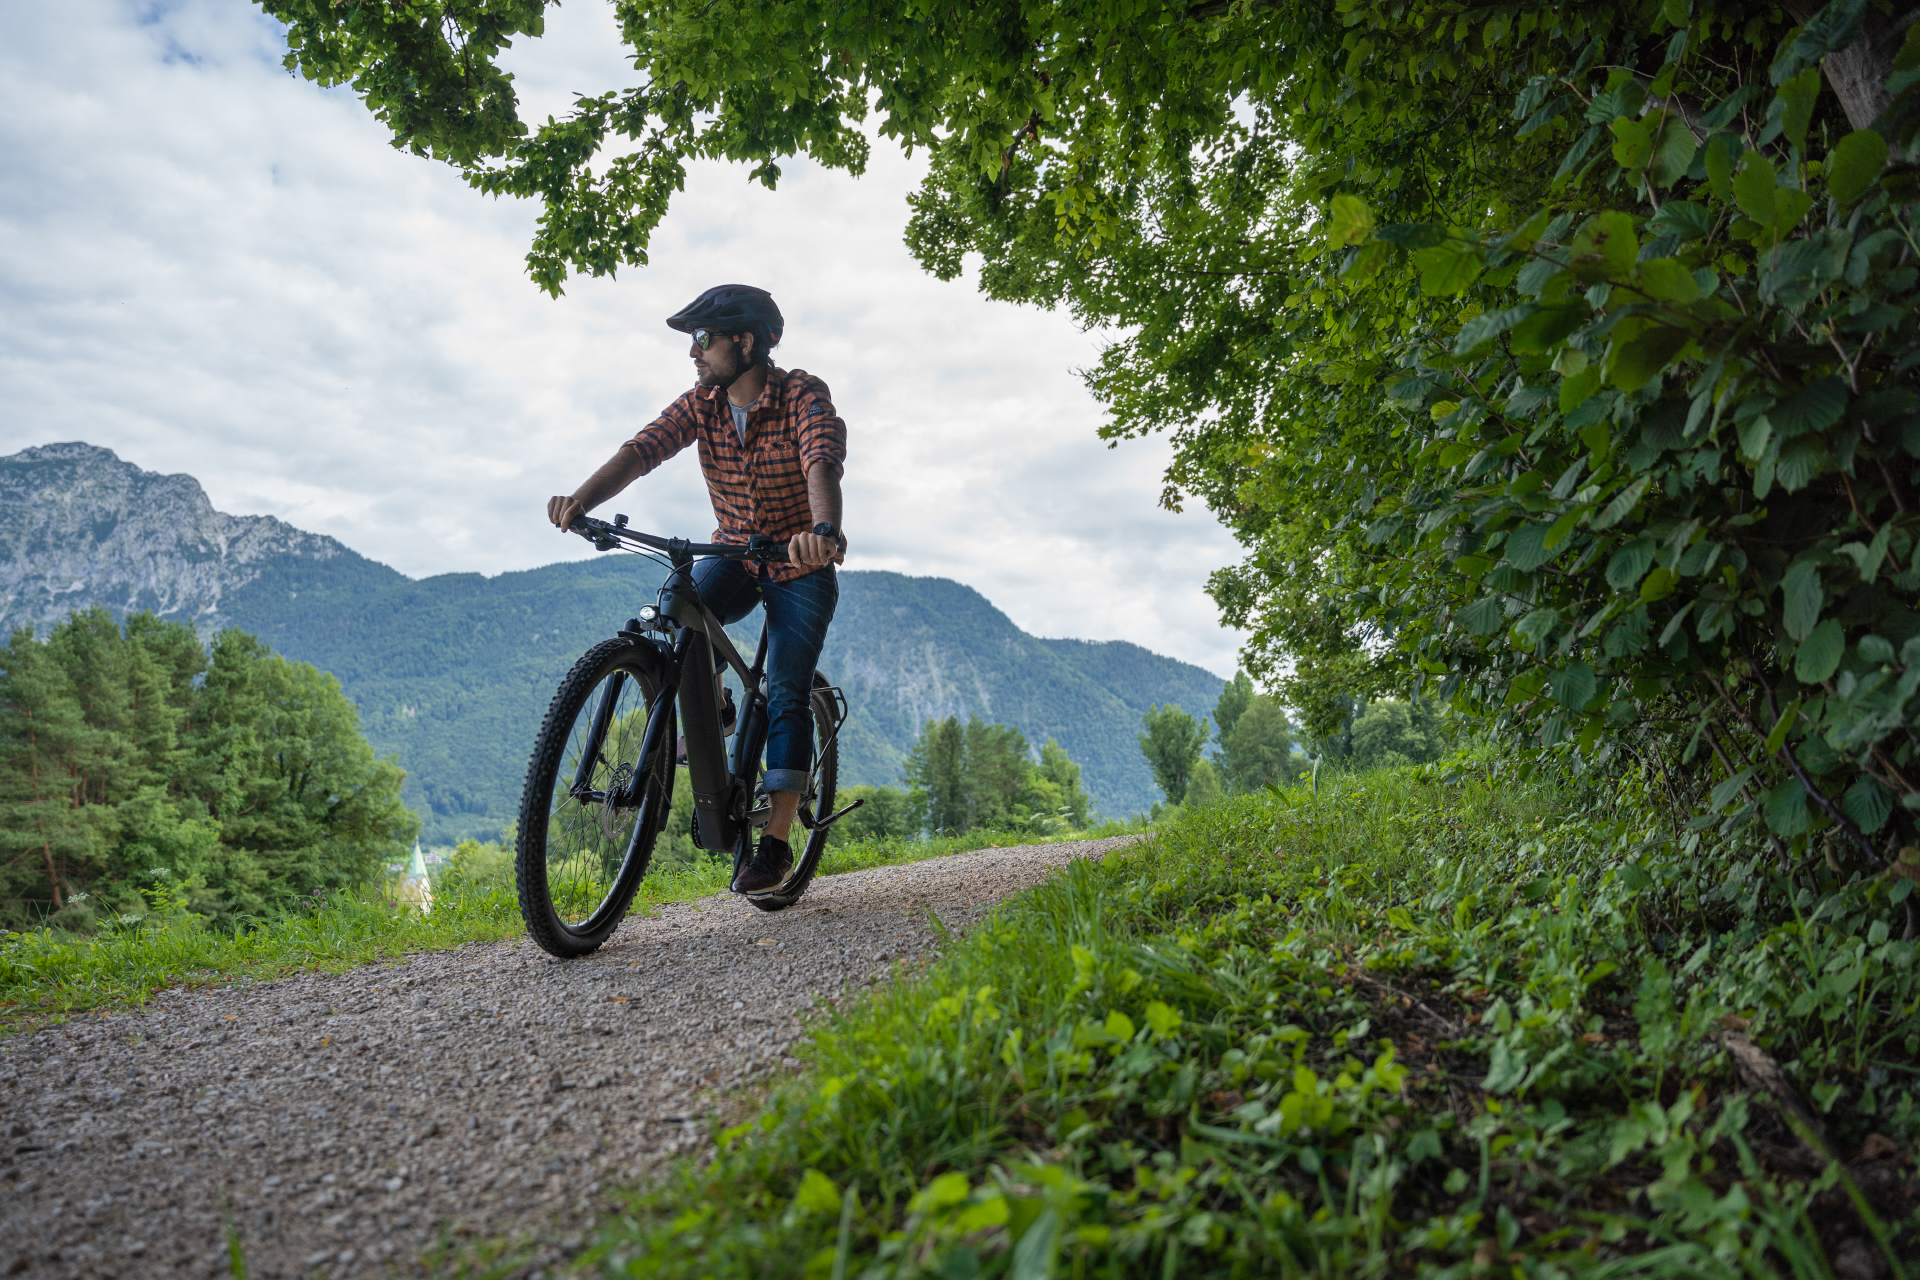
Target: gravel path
[342,1123]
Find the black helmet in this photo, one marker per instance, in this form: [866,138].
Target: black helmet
[733,308]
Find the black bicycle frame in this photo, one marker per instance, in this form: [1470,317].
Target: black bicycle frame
[722,789]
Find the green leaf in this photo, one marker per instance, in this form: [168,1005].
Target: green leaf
[1800,461]
[1753,188]
[1789,206]
[817,1194]
[1659,585]
[1814,407]
[1673,151]
[1537,626]
[1483,617]
[1491,324]
[1448,267]
[1162,1019]
[1667,280]
[1545,327]
[1605,247]
[1349,222]
[1033,1257]
[1632,144]
[1635,362]
[1799,94]
[1575,390]
[1728,788]
[1787,813]
[1854,164]
[1623,502]
[1573,685]
[1868,803]
[1819,654]
[1757,191]
[1527,547]
[1801,598]
[1367,261]
[1783,726]
[1720,158]
[1629,564]
[1506,1068]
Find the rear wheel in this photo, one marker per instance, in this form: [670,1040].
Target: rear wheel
[586,830]
[828,711]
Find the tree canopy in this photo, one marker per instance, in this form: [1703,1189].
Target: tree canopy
[1552,360]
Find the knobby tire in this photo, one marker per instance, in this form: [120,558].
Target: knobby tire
[557,839]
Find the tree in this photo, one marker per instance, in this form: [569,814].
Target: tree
[998,763]
[1172,745]
[1259,751]
[1235,698]
[1394,732]
[42,835]
[886,815]
[1061,791]
[936,773]
[1204,787]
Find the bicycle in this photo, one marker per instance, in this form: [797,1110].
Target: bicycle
[600,784]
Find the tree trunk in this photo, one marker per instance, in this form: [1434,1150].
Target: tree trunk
[1858,73]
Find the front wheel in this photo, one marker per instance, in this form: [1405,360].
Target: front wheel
[586,829]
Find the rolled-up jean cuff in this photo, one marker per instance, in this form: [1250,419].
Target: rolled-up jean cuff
[786,780]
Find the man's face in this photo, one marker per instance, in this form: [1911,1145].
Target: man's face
[722,362]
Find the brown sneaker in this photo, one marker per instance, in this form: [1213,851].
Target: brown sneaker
[768,870]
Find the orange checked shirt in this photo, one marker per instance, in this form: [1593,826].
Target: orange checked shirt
[760,486]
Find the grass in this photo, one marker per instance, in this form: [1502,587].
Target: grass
[49,975]
[1403,1026]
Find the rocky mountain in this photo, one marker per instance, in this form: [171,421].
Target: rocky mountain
[451,673]
[78,526]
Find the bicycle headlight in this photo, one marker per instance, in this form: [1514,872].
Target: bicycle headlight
[649,614]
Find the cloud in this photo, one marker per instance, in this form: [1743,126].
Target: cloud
[213,267]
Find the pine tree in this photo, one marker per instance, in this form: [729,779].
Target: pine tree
[936,772]
[44,840]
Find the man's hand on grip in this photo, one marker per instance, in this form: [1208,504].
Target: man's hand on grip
[812,550]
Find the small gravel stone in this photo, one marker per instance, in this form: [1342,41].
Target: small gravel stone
[342,1122]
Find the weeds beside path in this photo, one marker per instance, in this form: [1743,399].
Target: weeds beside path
[1455,1027]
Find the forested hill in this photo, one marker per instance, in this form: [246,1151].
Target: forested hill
[451,673]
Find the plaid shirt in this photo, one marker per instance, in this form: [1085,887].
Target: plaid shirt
[761,486]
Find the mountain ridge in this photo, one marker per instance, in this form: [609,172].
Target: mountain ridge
[452,672]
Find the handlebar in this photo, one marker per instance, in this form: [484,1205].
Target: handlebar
[605,536]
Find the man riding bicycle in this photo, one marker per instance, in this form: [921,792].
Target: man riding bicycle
[772,450]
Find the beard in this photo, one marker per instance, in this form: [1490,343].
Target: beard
[724,376]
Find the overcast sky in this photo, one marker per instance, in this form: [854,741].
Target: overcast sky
[212,267]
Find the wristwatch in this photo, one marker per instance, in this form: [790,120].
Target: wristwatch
[826,530]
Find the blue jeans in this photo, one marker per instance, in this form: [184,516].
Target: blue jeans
[797,616]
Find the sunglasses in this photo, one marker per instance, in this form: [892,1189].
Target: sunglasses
[703,338]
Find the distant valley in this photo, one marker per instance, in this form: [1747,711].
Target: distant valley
[451,673]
